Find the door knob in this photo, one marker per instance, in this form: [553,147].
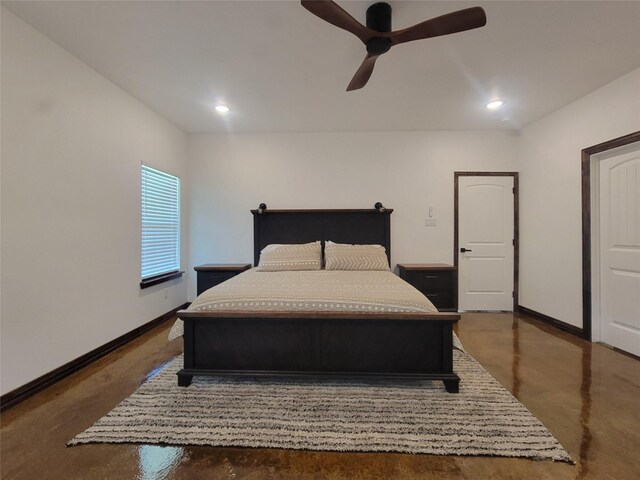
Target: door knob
[465,250]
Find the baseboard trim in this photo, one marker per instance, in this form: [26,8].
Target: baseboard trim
[20,394]
[551,321]
[625,353]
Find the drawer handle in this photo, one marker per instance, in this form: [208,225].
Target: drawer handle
[430,276]
[432,294]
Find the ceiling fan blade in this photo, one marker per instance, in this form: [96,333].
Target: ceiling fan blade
[333,13]
[453,22]
[363,74]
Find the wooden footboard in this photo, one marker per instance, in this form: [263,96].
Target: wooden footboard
[400,345]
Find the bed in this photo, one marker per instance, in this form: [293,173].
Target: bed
[246,326]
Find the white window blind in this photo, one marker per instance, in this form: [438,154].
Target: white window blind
[160,222]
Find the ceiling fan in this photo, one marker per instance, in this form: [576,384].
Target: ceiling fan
[379,38]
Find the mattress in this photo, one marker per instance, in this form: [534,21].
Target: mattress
[311,292]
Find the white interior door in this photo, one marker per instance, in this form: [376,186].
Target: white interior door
[620,249]
[486,243]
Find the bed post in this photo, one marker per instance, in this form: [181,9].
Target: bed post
[452,385]
[184,378]
[256,236]
[387,234]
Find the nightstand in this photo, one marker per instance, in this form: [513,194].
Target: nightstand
[436,281]
[212,274]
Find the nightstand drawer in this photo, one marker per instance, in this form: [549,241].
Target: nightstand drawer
[207,280]
[210,275]
[430,281]
[441,299]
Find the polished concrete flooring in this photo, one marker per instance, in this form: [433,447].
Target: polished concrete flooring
[586,394]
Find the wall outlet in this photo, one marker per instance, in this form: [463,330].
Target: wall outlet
[430,222]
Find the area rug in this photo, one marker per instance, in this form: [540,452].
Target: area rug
[354,416]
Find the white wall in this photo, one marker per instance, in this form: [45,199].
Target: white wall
[408,172]
[72,145]
[550,193]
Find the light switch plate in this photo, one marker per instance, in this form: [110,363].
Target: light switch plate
[430,222]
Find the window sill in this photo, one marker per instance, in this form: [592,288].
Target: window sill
[165,277]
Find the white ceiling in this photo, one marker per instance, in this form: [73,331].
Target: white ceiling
[281,69]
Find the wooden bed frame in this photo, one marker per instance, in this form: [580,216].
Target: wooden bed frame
[395,345]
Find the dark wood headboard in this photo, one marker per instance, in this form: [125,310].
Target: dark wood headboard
[366,226]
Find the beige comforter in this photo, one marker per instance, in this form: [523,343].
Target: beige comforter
[311,291]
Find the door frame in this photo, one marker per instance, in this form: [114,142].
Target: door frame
[516,233]
[590,226]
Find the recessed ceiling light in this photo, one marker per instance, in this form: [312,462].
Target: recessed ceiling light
[222,108]
[495,104]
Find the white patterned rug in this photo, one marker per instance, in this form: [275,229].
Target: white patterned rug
[372,416]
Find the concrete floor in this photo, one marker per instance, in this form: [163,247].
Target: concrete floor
[586,394]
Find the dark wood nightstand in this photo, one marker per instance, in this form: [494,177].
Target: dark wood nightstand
[436,281]
[211,274]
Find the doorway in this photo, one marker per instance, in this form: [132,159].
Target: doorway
[486,240]
[611,243]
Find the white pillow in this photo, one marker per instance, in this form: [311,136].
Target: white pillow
[342,256]
[288,257]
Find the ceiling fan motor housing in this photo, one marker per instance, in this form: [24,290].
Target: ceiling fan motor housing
[379,19]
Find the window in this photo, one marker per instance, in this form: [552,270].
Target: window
[160,226]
